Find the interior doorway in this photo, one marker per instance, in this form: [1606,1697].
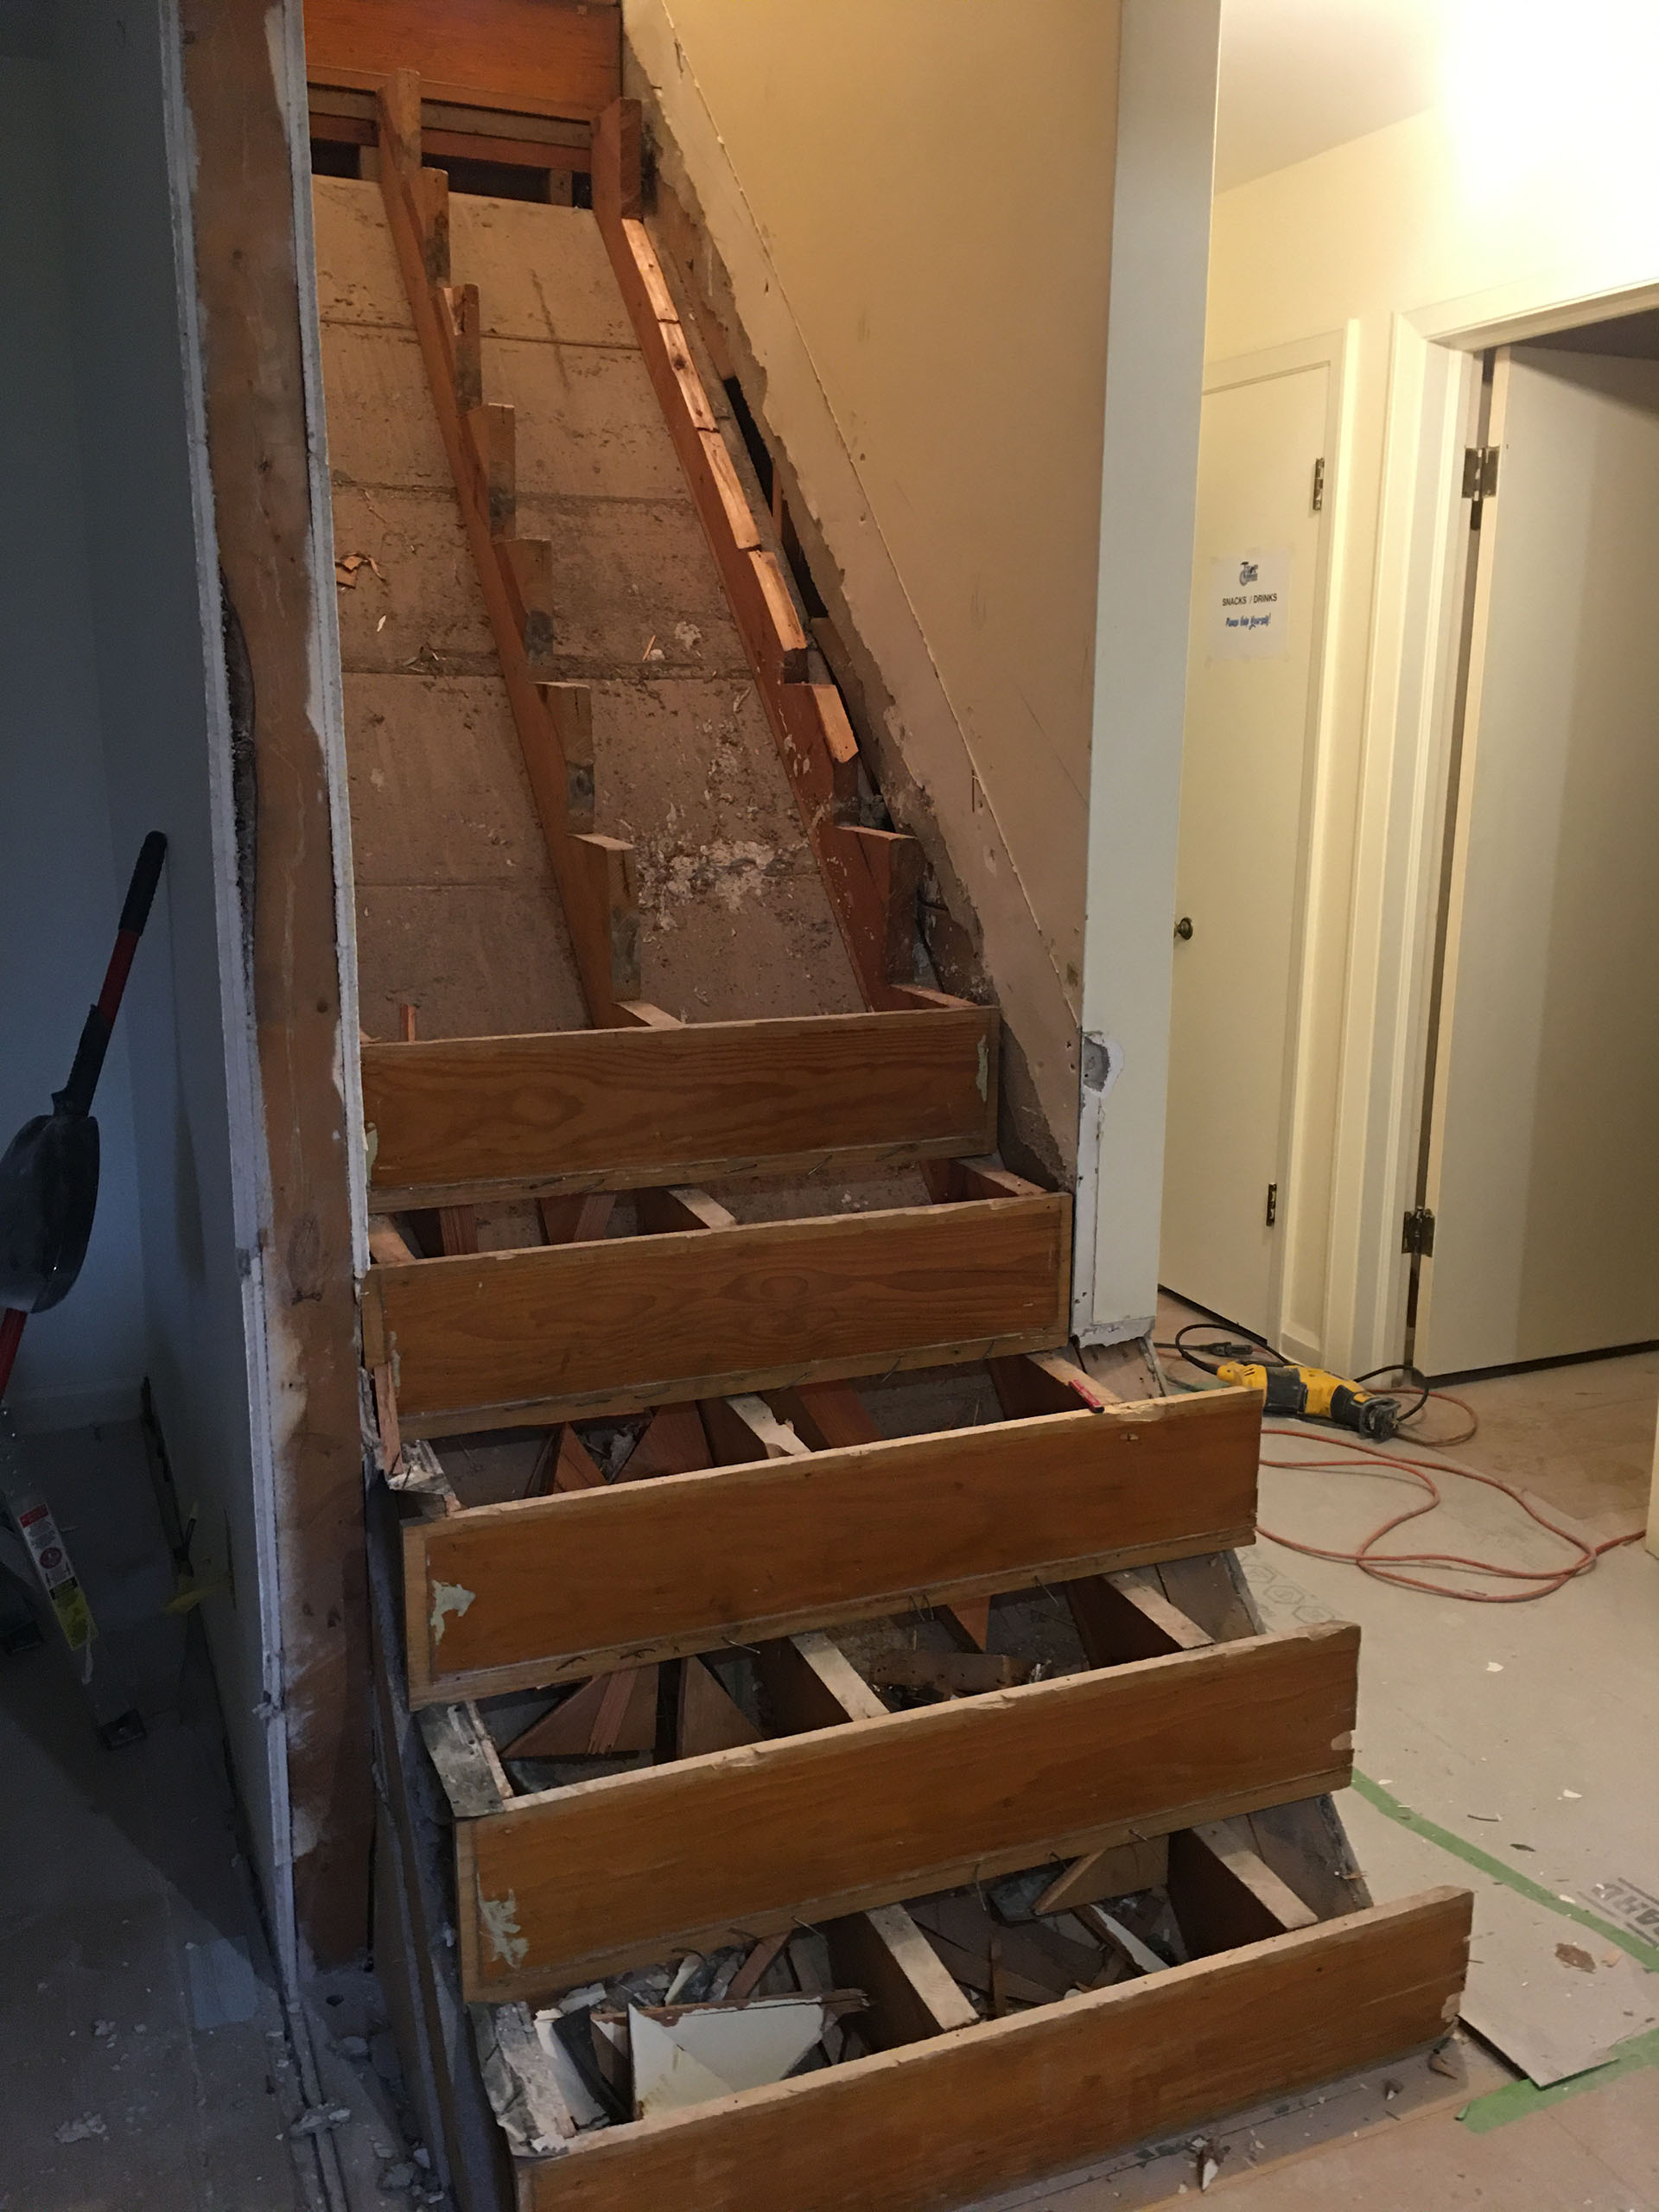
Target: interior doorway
[1254,671]
[1537,1214]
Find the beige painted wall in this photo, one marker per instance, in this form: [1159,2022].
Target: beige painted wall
[915,205]
[1543,191]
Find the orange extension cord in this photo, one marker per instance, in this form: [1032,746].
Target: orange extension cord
[1385,1565]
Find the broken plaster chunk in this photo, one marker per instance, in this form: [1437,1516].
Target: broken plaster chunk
[84,2130]
[711,2054]
[501,1919]
[320,2118]
[447,1598]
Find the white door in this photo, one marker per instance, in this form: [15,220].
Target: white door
[1543,1167]
[1252,709]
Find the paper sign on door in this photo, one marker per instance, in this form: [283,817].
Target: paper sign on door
[1249,606]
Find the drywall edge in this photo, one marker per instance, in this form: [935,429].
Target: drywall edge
[1168,60]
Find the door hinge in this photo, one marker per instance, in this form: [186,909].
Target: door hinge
[1479,472]
[1273,1204]
[1318,486]
[1417,1233]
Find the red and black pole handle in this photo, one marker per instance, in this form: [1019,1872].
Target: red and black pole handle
[76,1096]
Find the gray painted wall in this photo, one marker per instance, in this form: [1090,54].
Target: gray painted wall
[113,694]
[58,891]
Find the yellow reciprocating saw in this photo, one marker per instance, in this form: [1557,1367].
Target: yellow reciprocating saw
[1311,1394]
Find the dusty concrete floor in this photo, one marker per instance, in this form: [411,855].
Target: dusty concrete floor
[147,2061]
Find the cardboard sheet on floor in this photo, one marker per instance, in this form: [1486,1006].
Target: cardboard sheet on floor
[1522,1730]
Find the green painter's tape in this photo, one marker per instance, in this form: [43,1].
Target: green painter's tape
[1517,2100]
[1646,1955]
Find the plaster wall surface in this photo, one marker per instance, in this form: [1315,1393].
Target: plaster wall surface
[915,205]
[1529,197]
[149,660]
[60,894]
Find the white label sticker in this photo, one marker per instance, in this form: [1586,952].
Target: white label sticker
[1249,606]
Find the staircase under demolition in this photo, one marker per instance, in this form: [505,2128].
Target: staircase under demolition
[828,1755]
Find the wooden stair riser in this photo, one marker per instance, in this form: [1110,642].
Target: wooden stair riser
[470,1119]
[557,1588]
[619,1873]
[528,1337]
[948,2121]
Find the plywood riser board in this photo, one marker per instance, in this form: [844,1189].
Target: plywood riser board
[484,1118]
[575,1884]
[532,57]
[739,1555]
[498,1339]
[936,2125]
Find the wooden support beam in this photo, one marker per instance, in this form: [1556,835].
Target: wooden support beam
[1223,1892]
[241,252]
[346,117]
[559,1587]
[1111,1873]
[744,1429]
[1043,1382]
[463,332]
[610,1713]
[528,1337]
[629,1107]
[970,1622]
[808,1682]
[458,1226]
[464,1757]
[980,1179]
[570,709]
[566,1465]
[491,432]
[1011,2101]
[911,1995]
[710,1720]
[527,571]
[875,875]
[528,57]
[680,1206]
[595,886]
[675,1443]
[1128,1619]
[639,1866]
[576,1220]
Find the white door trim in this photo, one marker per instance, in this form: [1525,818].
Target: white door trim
[1422,546]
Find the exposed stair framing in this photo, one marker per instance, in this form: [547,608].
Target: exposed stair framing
[1187,1759]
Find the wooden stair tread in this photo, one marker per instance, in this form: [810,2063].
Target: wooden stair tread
[562,1586]
[622,1108]
[633,1868]
[504,1338]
